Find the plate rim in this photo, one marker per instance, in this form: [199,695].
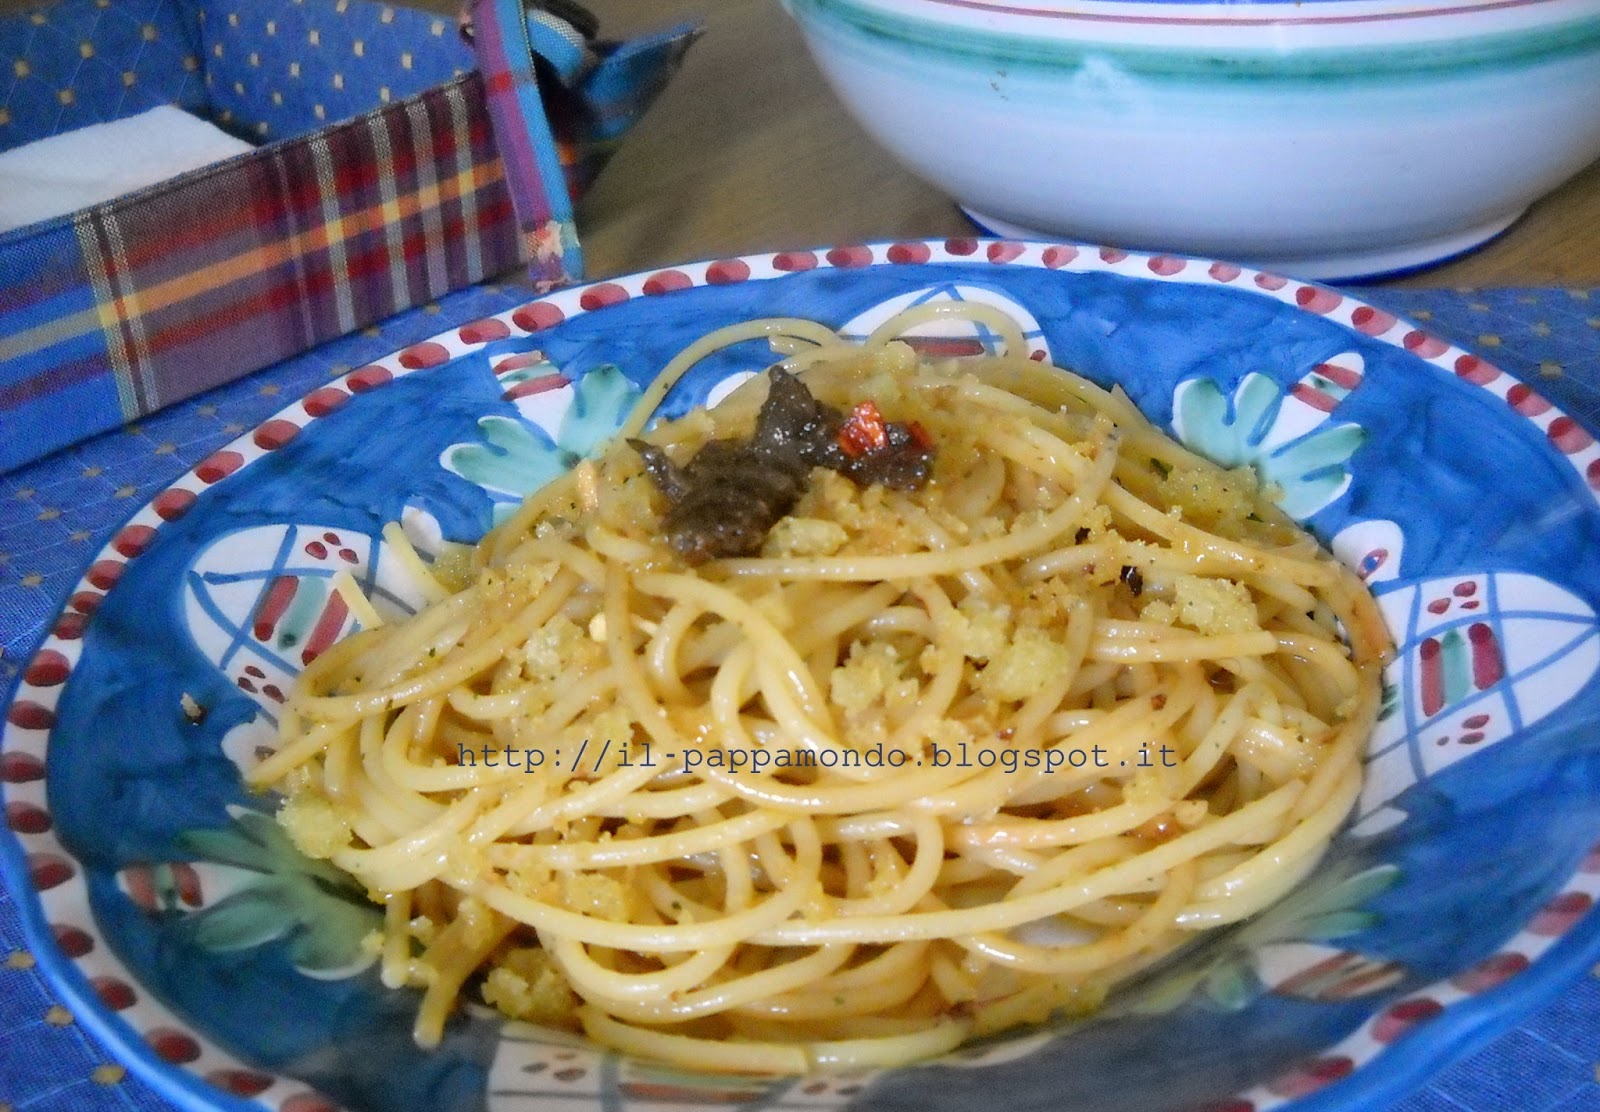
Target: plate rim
[1470,1023]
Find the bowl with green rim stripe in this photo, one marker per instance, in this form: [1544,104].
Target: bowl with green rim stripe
[1325,138]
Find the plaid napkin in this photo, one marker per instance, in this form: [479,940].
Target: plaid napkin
[393,173]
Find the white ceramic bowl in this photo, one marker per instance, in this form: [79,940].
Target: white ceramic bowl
[1326,138]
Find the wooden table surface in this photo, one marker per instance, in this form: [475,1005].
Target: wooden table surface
[749,150]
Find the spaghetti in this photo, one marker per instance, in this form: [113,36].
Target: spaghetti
[931,764]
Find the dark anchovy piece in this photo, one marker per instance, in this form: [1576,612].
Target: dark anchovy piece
[725,500]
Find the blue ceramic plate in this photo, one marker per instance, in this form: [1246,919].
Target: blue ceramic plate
[179,925]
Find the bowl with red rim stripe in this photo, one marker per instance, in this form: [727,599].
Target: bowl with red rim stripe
[180,926]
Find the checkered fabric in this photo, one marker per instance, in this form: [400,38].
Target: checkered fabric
[115,311]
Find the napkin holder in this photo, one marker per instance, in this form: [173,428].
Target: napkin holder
[401,157]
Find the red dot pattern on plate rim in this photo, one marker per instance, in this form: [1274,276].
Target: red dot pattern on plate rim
[726,272]
[419,357]
[134,539]
[218,465]
[1568,436]
[47,669]
[177,1047]
[1400,1017]
[484,331]
[114,993]
[1475,370]
[27,818]
[851,256]
[17,767]
[602,295]
[667,281]
[105,573]
[367,378]
[49,870]
[29,715]
[1312,1075]
[793,262]
[173,503]
[1371,322]
[902,253]
[324,400]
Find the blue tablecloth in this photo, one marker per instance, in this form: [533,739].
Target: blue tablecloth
[56,514]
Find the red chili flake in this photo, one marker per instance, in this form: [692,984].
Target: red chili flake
[863,431]
[920,436]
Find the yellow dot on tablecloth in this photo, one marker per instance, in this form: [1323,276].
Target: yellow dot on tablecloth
[294,69]
[129,78]
[431,307]
[38,19]
[1478,306]
[233,19]
[79,536]
[255,58]
[166,448]
[58,1016]
[238,87]
[126,491]
[66,96]
[86,50]
[225,116]
[437,27]
[319,112]
[5,116]
[32,579]
[25,493]
[5,558]
[387,14]
[272,26]
[21,68]
[1423,314]
[19,959]
[339,369]
[233,428]
[207,411]
[315,38]
[277,98]
[269,390]
[342,6]
[149,32]
[93,472]
[1541,328]
[108,1075]
[338,81]
[216,51]
[49,514]
[383,93]
[358,48]
[191,62]
[1489,339]
[1579,295]
[1529,299]
[372,332]
[405,60]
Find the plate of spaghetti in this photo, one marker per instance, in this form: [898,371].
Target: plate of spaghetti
[845,679]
